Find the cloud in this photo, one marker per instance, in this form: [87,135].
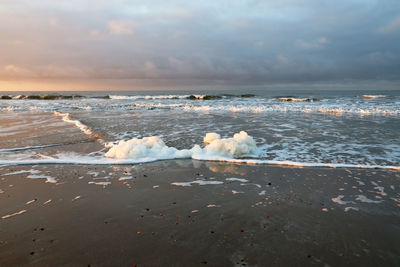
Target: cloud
[46,72]
[94,33]
[392,26]
[14,71]
[312,45]
[121,27]
[282,60]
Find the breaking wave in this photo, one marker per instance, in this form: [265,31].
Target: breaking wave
[40,97]
[148,97]
[373,96]
[123,97]
[219,103]
[293,99]
[239,149]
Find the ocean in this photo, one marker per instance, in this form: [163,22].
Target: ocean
[326,128]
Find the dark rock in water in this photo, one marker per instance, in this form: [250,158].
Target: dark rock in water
[204,97]
[210,97]
[310,100]
[102,97]
[70,96]
[287,99]
[51,97]
[33,97]
[242,95]
[247,95]
[43,97]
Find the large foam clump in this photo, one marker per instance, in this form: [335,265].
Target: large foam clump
[211,137]
[154,148]
[241,144]
[147,147]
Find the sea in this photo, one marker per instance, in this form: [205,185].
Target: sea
[307,127]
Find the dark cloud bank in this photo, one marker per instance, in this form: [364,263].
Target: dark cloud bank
[213,43]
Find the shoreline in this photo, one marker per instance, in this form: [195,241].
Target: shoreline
[102,161]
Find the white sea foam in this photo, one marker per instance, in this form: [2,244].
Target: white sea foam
[146,148]
[14,214]
[84,128]
[49,179]
[66,117]
[100,183]
[381,189]
[31,171]
[240,145]
[123,178]
[93,173]
[364,199]
[295,164]
[338,200]
[237,180]
[346,209]
[213,206]
[154,148]
[211,137]
[199,182]
[72,158]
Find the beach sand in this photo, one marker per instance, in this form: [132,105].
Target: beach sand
[280,216]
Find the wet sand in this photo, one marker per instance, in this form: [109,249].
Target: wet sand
[280,216]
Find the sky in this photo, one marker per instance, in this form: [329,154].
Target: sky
[158,44]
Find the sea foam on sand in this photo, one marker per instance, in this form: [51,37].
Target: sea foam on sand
[147,147]
[240,144]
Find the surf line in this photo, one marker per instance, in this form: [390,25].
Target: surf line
[82,127]
[109,161]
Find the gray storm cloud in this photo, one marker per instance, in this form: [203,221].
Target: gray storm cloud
[221,42]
